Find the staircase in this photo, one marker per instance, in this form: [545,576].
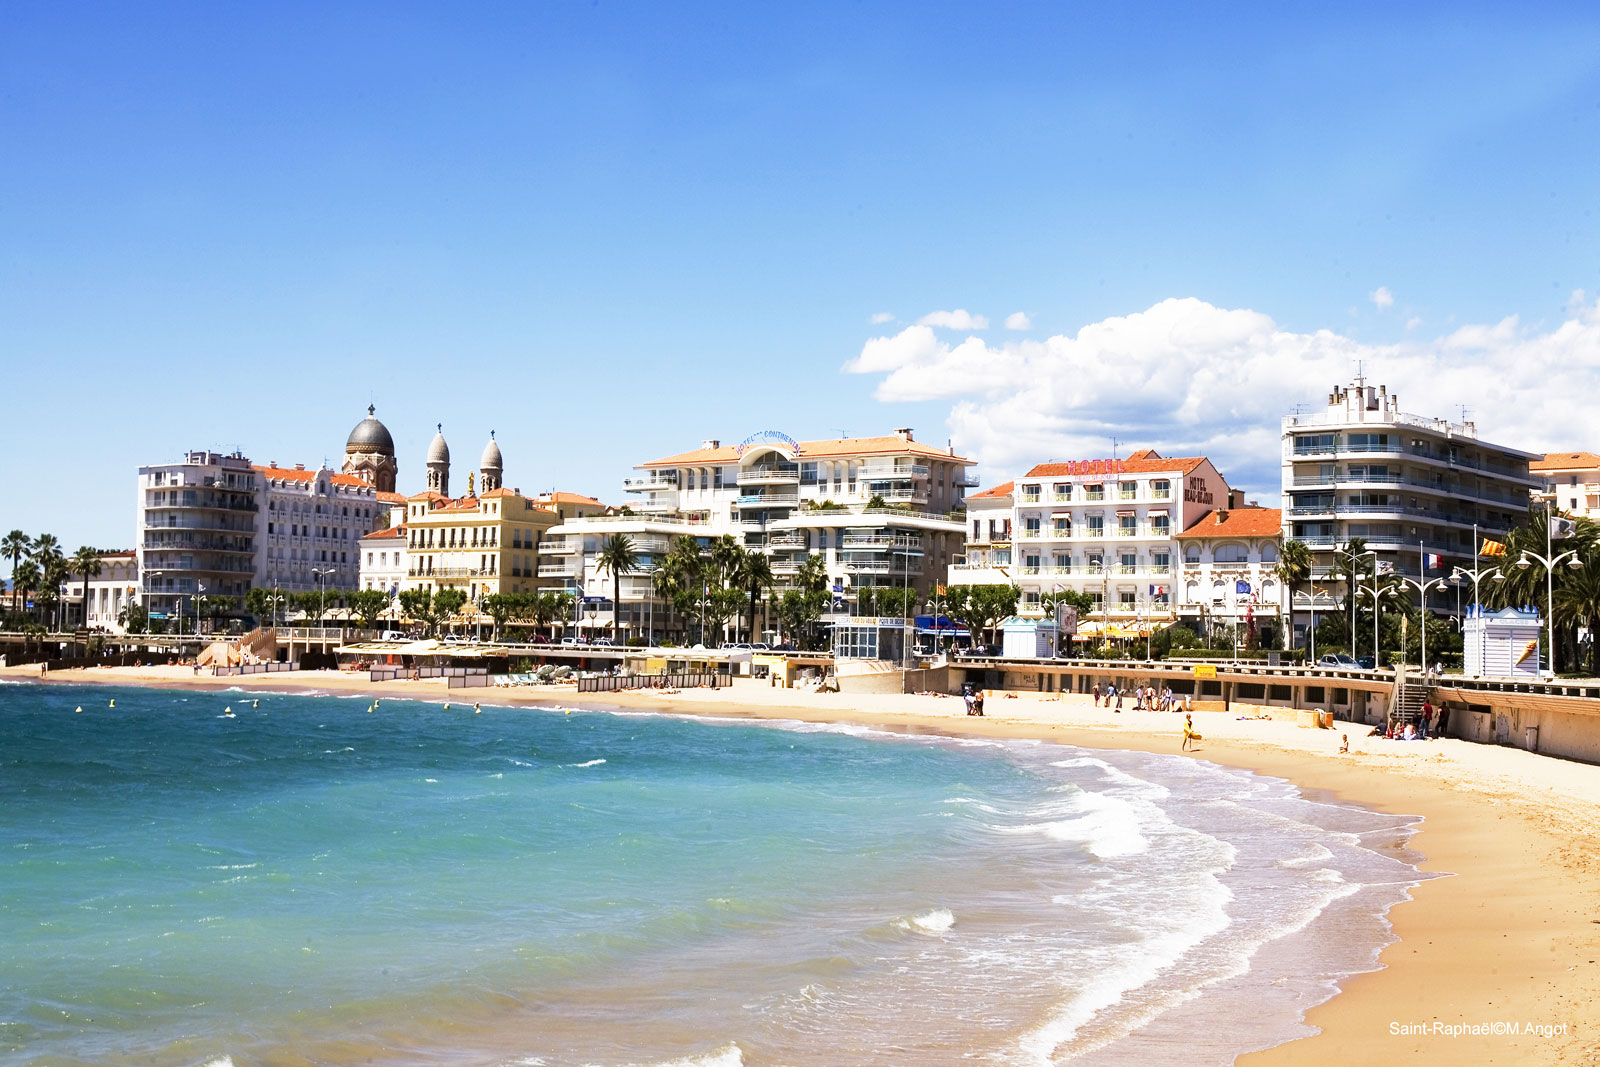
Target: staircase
[1408,706]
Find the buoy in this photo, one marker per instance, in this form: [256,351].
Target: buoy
[78,710]
[569,711]
[113,703]
[369,709]
[253,703]
[476,710]
[228,710]
[447,707]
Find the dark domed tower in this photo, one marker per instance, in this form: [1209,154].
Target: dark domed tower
[369,453]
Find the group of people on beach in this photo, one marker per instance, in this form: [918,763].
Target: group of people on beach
[1421,730]
[974,700]
[1144,699]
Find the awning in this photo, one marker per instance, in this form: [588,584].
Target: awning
[1157,513]
[1130,511]
[1061,514]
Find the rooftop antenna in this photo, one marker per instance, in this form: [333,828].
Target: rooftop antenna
[1465,411]
[842,435]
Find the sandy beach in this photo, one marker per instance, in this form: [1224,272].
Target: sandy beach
[1498,963]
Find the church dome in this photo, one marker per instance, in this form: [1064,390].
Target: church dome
[491,454]
[370,435]
[439,452]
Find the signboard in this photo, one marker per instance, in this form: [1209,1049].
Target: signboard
[768,437]
[1205,670]
[1066,620]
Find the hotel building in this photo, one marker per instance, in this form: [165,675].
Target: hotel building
[1405,483]
[114,588]
[312,523]
[1228,573]
[1107,527]
[881,511]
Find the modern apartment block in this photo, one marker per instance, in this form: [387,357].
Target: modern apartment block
[1405,483]
[1107,527]
[881,511]
[196,530]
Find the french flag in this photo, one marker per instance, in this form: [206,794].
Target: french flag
[1433,562]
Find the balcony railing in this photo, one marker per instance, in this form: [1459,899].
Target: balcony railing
[769,473]
[891,471]
[663,480]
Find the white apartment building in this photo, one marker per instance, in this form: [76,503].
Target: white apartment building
[1228,570]
[1574,478]
[383,560]
[1405,483]
[881,511]
[196,524]
[1107,527]
[986,557]
[114,588]
[312,523]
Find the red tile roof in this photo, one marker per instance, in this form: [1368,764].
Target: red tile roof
[1003,489]
[1144,461]
[296,475]
[1557,461]
[838,446]
[391,498]
[1238,522]
[428,494]
[567,498]
[385,534]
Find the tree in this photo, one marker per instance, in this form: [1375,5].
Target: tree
[16,545]
[799,610]
[499,607]
[1293,570]
[46,554]
[311,604]
[368,604]
[265,604]
[86,562]
[418,604]
[680,578]
[25,578]
[981,607]
[447,603]
[755,574]
[133,617]
[617,555]
[1578,604]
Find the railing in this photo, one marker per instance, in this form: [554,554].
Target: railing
[610,683]
[969,480]
[251,668]
[881,471]
[556,570]
[784,498]
[452,572]
[881,541]
[760,475]
[664,480]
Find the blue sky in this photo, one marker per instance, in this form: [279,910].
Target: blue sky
[609,230]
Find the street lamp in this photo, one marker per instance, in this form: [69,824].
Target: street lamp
[322,588]
[1354,587]
[1377,594]
[1421,586]
[1528,559]
[1461,577]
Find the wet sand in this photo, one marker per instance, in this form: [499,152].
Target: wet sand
[1508,945]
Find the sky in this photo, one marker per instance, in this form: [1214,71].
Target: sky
[607,231]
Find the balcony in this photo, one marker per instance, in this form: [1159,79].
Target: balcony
[453,572]
[899,542]
[769,499]
[769,474]
[660,480]
[891,471]
[563,569]
[969,480]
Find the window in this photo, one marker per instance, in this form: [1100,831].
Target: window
[1160,560]
[1062,526]
[1030,564]
[1269,553]
[1094,492]
[1097,525]
[1128,490]
[1030,600]
[1096,564]
[1063,562]
[1231,554]
[1161,489]
[1159,525]
[1191,554]
[1063,490]
[1370,442]
[1030,494]
[1128,525]
[1127,599]
[1030,527]
[1313,442]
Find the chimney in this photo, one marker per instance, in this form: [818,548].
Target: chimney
[1235,498]
[1222,515]
[904,433]
[299,466]
[710,444]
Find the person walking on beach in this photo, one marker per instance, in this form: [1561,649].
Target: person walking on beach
[1189,736]
[967,699]
[1119,700]
[1097,696]
[1427,720]
[977,703]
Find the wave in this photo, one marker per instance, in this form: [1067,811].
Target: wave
[935,921]
[591,763]
[1109,828]
[728,1055]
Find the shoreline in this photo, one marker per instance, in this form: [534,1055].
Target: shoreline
[1510,938]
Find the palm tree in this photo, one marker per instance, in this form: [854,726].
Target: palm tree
[25,578]
[617,555]
[15,544]
[680,578]
[86,561]
[755,574]
[1294,570]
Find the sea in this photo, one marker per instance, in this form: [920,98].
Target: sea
[228,879]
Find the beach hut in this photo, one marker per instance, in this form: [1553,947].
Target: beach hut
[1025,638]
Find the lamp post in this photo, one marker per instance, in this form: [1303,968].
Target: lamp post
[1355,585]
[1550,563]
[1377,594]
[1421,586]
[322,589]
[1461,577]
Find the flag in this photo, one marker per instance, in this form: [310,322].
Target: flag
[1492,548]
[1432,562]
[1385,567]
[1158,590]
[1562,528]
[1241,587]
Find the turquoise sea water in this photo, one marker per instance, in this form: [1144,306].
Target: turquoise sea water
[308,882]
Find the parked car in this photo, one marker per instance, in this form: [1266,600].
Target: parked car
[538,639]
[392,635]
[1366,663]
[1337,659]
[569,640]
[603,641]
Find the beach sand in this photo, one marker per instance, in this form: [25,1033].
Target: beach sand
[1510,940]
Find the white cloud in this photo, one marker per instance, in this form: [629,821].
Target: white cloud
[1413,322]
[1382,297]
[1188,378]
[880,317]
[959,319]
[1018,320]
